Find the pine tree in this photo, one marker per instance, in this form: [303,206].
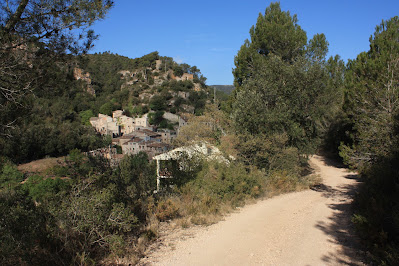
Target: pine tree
[372,96]
[285,85]
[276,32]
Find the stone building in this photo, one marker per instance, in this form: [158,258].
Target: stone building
[105,125]
[119,124]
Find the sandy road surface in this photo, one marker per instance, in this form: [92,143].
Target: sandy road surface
[305,228]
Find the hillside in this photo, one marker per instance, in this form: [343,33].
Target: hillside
[81,87]
[151,82]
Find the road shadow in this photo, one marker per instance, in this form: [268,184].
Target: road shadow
[345,192]
[353,176]
[339,227]
[332,162]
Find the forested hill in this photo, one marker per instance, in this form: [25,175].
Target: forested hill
[149,82]
[81,87]
[224,88]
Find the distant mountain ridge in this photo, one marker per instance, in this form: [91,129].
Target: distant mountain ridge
[224,88]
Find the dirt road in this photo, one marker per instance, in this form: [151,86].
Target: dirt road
[305,228]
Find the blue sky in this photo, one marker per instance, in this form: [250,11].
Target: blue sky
[208,34]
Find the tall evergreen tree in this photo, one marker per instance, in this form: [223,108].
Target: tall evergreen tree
[372,110]
[285,85]
[276,32]
[372,96]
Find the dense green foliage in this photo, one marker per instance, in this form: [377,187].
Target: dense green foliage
[212,188]
[286,90]
[131,91]
[95,211]
[34,35]
[275,33]
[289,99]
[10,176]
[54,125]
[370,142]
[372,96]
[39,98]
[104,68]
[24,231]
[86,215]
[227,89]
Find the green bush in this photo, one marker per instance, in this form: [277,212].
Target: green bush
[25,231]
[10,176]
[106,109]
[269,152]
[220,183]
[85,117]
[376,215]
[46,189]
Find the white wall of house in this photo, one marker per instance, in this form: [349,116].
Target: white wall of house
[142,121]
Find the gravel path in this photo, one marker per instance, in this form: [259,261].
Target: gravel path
[311,227]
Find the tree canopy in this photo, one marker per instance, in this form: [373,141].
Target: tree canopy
[372,96]
[276,32]
[284,82]
[34,34]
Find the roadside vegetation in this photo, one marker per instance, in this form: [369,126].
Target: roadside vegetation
[93,213]
[367,134]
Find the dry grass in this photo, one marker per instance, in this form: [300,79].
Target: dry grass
[198,205]
[136,246]
[280,183]
[195,209]
[40,166]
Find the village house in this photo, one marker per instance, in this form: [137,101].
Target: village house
[121,140]
[132,146]
[158,64]
[134,135]
[183,120]
[154,148]
[117,113]
[142,121]
[167,135]
[119,124]
[185,76]
[144,144]
[200,149]
[105,125]
[148,135]
[144,140]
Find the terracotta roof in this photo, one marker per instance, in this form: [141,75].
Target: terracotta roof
[126,137]
[135,140]
[150,133]
[166,130]
[156,144]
